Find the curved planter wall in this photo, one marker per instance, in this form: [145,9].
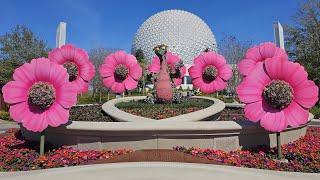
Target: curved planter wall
[210,113]
[224,135]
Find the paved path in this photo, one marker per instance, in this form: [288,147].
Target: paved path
[315,123]
[156,171]
[5,125]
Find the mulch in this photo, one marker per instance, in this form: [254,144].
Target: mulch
[162,155]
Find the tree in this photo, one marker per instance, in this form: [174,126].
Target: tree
[143,63]
[233,50]
[303,38]
[97,57]
[18,46]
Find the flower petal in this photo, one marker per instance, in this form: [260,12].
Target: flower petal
[120,57]
[195,71]
[251,88]
[225,72]
[108,82]
[106,70]
[42,68]
[25,73]
[296,115]
[255,111]
[218,84]
[267,50]
[306,94]
[253,54]
[274,121]
[15,92]
[118,87]
[68,51]
[135,71]
[246,66]
[56,56]
[66,95]
[277,67]
[58,75]
[18,111]
[35,121]
[57,115]
[130,83]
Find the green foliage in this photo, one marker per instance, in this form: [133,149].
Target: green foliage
[18,46]
[316,111]
[303,38]
[139,55]
[5,116]
[161,111]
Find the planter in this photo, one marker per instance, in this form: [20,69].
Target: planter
[211,113]
[224,135]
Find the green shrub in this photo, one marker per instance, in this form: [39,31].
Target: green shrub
[5,116]
[316,111]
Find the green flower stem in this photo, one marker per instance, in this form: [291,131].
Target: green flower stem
[279,146]
[42,141]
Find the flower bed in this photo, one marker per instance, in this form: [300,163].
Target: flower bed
[162,111]
[17,154]
[89,113]
[303,155]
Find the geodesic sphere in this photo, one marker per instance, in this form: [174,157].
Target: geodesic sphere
[184,33]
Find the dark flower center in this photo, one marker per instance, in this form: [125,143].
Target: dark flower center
[72,70]
[42,95]
[121,72]
[278,94]
[209,73]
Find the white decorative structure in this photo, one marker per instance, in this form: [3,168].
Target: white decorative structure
[278,35]
[185,34]
[61,34]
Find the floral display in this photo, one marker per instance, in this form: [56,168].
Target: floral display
[278,93]
[302,155]
[210,72]
[175,66]
[77,63]
[120,71]
[40,95]
[17,154]
[258,54]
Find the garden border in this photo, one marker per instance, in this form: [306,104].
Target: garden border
[212,112]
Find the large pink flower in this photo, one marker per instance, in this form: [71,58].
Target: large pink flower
[210,72]
[40,95]
[278,93]
[258,54]
[120,71]
[77,63]
[176,68]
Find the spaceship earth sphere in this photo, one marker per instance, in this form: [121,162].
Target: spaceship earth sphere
[184,33]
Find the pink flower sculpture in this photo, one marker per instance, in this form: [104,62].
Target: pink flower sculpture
[77,63]
[40,95]
[120,71]
[258,54]
[278,93]
[210,72]
[176,69]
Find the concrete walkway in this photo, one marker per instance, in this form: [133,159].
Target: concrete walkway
[5,125]
[156,171]
[314,123]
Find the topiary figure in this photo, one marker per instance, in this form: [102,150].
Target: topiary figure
[164,92]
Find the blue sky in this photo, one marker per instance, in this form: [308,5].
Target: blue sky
[113,23]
